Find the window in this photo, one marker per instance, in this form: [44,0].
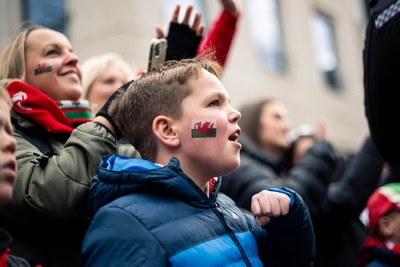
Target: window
[265,29]
[325,49]
[49,13]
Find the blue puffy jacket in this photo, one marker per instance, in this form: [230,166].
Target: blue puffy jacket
[147,215]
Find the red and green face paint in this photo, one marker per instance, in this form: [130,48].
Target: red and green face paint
[42,68]
[204,128]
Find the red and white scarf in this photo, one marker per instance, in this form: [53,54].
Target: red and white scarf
[54,116]
[371,242]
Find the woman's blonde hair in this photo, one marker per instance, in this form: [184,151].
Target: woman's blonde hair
[3,92]
[12,57]
[94,66]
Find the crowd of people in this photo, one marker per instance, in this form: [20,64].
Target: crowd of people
[104,166]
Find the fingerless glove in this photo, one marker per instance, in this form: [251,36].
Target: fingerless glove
[182,42]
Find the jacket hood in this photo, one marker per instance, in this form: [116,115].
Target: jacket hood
[119,175]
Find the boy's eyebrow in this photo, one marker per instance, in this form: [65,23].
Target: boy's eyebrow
[56,44]
[50,46]
[218,94]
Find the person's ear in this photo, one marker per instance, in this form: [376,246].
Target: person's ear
[164,132]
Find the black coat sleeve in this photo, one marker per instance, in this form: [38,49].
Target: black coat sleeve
[381,87]
[311,176]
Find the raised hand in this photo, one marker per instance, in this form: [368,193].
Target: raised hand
[183,39]
[268,204]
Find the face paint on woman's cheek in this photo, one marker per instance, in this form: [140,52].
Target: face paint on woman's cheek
[204,128]
[42,68]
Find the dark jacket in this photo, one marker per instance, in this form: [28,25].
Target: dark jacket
[381,57]
[6,259]
[334,204]
[258,171]
[376,6]
[48,215]
[383,258]
[376,252]
[338,230]
[147,215]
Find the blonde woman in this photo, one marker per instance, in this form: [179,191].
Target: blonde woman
[59,147]
[102,75]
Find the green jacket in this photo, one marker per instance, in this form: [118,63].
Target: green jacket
[48,215]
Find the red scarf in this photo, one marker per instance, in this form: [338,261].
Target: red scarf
[44,111]
[371,242]
[3,257]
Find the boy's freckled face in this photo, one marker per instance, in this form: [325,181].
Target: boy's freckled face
[8,164]
[208,128]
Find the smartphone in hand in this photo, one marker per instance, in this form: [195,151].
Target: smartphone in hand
[158,52]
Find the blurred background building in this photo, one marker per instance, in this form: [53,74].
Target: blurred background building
[307,53]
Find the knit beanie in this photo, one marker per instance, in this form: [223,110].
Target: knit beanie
[384,199]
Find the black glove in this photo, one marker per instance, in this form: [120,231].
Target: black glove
[104,110]
[182,42]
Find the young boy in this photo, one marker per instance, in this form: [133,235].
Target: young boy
[163,209]
[382,248]
[8,174]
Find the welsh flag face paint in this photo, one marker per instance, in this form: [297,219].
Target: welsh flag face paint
[42,68]
[204,128]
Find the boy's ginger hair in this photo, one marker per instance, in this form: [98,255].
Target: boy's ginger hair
[158,92]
